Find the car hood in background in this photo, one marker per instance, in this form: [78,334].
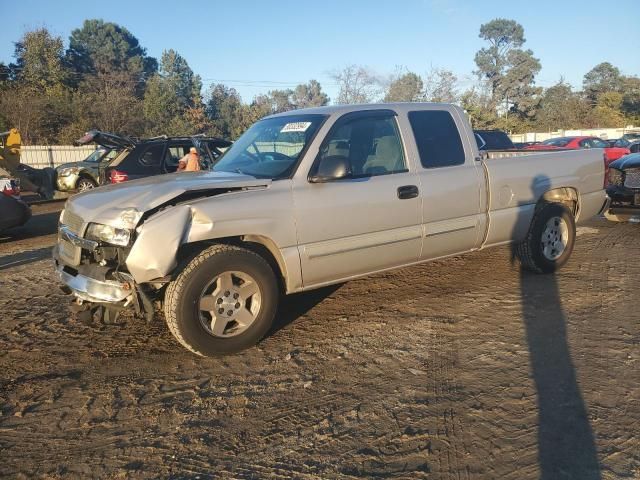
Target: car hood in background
[628,161]
[122,205]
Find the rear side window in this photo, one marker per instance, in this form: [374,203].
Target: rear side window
[152,156]
[437,137]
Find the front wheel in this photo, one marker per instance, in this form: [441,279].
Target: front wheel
[84,184]
[223,301]
[549,242]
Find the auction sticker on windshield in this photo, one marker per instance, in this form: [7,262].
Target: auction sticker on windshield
[295,127]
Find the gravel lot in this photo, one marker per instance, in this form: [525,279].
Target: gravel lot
[458,369]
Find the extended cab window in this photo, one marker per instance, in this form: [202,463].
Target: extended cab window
[437,137]
[371,144]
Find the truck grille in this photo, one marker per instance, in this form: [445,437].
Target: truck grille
[73,221]
[632,178]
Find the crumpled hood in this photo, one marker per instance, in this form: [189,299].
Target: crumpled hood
[628,161]
[108,203]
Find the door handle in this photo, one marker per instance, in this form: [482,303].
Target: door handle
[408,191]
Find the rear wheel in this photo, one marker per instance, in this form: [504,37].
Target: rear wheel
[550,239]
[223,301]
[84,184]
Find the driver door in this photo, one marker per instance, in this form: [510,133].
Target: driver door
[367,221]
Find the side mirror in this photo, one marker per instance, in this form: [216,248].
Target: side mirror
[334,167]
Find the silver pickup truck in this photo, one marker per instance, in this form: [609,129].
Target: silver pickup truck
[311,198]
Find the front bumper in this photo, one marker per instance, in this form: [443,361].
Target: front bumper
[98,290]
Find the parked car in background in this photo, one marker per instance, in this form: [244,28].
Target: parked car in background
[288,208]
[520,145]
[159,155]
[631,136]
[13,211]
[611,153]
[492,140]
[632,144]
[624,188]
[85,175]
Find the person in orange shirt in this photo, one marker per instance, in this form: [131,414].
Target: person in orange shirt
[191,161]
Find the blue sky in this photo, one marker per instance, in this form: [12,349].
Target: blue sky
[255,46]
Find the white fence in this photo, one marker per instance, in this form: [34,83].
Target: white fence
[52,156]
[604,133]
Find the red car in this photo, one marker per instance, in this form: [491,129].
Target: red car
[610,153]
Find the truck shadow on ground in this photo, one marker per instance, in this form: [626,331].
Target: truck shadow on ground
[566,444]
[297,305]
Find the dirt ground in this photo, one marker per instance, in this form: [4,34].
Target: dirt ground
[458,369]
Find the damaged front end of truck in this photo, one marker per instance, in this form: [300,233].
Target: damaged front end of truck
[119,246]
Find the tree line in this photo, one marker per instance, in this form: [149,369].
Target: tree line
[104,79]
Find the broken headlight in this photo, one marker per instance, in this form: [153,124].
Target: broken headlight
[616,177]
[108,234]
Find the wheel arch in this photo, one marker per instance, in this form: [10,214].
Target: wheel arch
[567,196]
[83,174]
[263,246]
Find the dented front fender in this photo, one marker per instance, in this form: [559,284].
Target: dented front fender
[154,253]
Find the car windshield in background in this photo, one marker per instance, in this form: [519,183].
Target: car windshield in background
[271,147]
[96,155]
[493,140]
[557,142]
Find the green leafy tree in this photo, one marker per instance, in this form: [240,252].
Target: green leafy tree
[308,95]
[279,100]
[509,71]
[104,47]
[405,88]
[226,112]
[602,78]
[172,98]
[478,104]
[560,108]
[607,112]
[503,36]
[36,99]
[631,99]
[39,61]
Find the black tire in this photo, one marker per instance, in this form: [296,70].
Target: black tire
[530,250]
[83,184]
[182,300]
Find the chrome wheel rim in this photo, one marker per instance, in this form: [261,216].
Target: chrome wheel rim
[555,238]
[83,186]
[229,304]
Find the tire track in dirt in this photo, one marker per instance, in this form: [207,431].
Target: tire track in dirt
[420,373]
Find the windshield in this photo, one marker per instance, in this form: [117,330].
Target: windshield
[271,147]
[96,155]
[557,142]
